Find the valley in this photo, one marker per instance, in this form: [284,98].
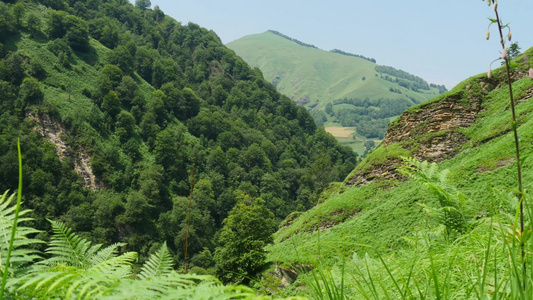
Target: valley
[141,158]
[339,89]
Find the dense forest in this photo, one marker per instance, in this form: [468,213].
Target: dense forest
[162,111]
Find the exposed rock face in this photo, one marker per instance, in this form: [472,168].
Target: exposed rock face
[430,132]
[386,171]
[56,134]
[288,276]
[433,126]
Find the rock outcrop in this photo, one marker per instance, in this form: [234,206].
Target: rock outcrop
[429,132]
[54,132]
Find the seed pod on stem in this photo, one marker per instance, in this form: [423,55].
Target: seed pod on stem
[504,53]
[487,35]
[509,36]
[489,73]
[531,73]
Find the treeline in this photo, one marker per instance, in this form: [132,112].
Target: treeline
[351,54]
[150,99]
[442,88]
[370,117]
[403,78]
[378,108]
[292,39]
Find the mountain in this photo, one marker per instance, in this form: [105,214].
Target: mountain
[123,114]
[359,92]
[431,206]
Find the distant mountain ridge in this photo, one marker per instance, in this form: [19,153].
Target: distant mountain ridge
[338,51]
[340,89]
[312,77]
[292,39]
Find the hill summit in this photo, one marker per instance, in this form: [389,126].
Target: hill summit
[313,77]
[340,89]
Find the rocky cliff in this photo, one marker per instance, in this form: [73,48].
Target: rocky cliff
[429,131]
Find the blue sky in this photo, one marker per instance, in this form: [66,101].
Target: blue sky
[440,41]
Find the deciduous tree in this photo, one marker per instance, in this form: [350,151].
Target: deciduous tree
[247,229]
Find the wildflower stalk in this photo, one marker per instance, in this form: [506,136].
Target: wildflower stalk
[516,141]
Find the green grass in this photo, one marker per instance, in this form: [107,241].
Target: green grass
[321,75]
[394,233]
[314,77]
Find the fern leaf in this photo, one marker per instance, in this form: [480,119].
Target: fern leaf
[21,254]
[105,254]
[119,267]
[68,248]
[158,264]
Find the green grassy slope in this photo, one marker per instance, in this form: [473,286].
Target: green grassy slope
[314,77]
[387,213]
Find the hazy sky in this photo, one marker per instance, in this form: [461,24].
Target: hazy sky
[440,41]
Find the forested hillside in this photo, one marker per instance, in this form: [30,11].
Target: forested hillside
[116,106]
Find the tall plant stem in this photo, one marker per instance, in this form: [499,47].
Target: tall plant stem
[15,222]
[517,149]
[189,214]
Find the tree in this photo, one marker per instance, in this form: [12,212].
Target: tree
[122,58]
[329,109]
[127,90]
[18,12]
[110,77]
[144,4]
[7,20]
[514,50]
[77,33]
[61,24]
[125,126]
[247,229]
[30,92]
[33,24]
[111,104]
[14,65]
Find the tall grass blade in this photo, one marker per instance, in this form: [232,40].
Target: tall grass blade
[14,228]
[434,277]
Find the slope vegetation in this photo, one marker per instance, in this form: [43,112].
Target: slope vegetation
[116,106]
[340,89]
[380,213]
[314,77]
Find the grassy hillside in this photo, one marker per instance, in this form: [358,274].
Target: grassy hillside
[315,78]
[379,218]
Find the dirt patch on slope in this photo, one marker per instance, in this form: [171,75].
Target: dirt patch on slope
[54,132]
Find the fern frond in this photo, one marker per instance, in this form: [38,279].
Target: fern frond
[105,254]
[158,264]
[119,267]
[177,286]
[207,290]
[21,254]
[66,282]
[68,248]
